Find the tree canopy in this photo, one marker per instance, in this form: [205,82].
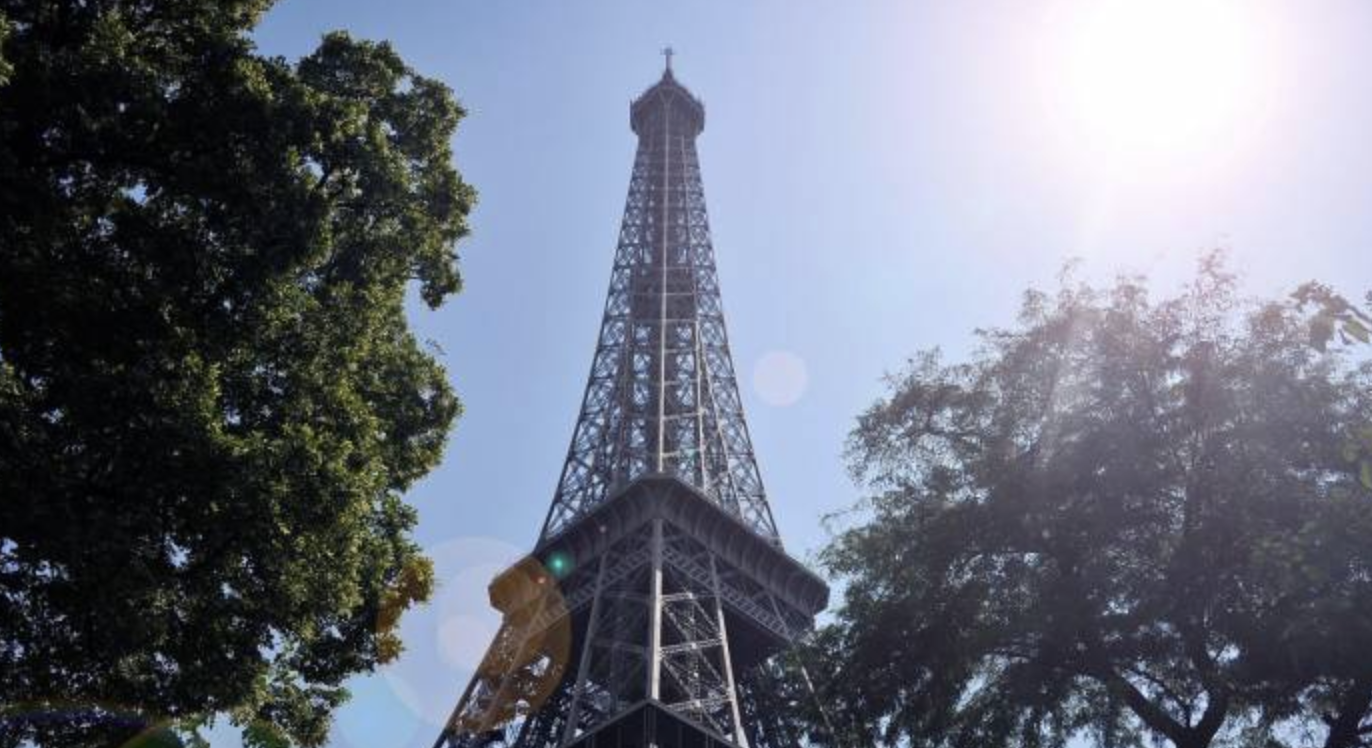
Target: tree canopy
[1122,519]
[211,403]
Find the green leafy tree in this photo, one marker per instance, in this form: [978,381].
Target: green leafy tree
[1122,519]
[1324,627]
[210,401]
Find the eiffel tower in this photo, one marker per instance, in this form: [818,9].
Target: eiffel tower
[659,586]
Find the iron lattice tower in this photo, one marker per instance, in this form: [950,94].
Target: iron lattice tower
[658,590]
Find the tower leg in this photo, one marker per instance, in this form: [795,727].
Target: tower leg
[655,617]
[588,645]
[738,735]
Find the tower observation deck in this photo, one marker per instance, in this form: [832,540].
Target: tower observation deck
[659,587]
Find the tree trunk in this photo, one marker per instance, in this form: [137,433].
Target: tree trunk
[1344,729]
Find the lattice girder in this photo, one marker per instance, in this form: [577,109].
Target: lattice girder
[669,599]
[662,396]
[672,591]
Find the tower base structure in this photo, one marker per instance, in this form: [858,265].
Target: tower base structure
[651,723]
[632,627]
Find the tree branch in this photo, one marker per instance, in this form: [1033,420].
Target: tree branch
[1152,715]
[1346,729]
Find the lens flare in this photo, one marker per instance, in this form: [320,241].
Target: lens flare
[780,378]
[559,564]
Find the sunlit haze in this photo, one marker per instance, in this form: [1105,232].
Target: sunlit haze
[881,178]
[1143,84]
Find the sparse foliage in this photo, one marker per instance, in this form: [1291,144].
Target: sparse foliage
[1122,519]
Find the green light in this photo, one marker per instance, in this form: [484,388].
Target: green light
[560,564]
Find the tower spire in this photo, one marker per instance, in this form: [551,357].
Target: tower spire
[668,52]
[662,396]
[658,591]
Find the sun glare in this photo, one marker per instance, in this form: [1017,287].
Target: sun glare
[1149,79]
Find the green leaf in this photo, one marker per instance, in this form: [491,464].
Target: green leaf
[1356,329]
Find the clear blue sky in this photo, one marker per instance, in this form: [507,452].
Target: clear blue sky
[882,177]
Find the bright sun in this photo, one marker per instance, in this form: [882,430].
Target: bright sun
[1149,79]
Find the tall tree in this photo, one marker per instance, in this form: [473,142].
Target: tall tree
[1121,518]
[1319,628]
[210,401]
